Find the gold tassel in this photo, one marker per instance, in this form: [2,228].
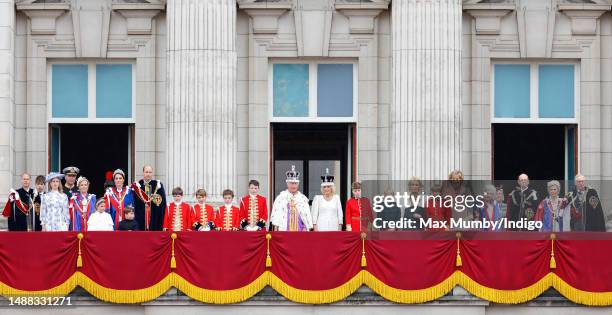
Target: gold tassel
[79,259]
[458,262]
[268,258]
[553,262]
[364,261]
[173,260]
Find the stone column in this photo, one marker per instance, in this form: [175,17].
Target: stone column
[7,94]
[201,103]
[426,105]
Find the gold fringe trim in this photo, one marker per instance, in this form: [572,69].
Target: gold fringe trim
[319,296]
[503,296]
[60,290]
[409,296]
[126,296]
[221,296]
[316,296]
[579,296]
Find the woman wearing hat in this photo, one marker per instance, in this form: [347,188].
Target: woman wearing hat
[54,214]
[327,209]
[118,197]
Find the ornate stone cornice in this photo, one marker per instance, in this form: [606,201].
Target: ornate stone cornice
[43,15]
[265,15]
[139,16]
[584,16]
[361,15]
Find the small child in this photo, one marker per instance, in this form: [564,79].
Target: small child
[128,224]
[228,218]
[100,220]
[178,214]
[203,215]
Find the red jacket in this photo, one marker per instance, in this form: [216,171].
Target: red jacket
[228,220]
[358,213]
[202,216]
[258,209]
[184,217]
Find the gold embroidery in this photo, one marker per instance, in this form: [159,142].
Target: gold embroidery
[293,216]
[253,211]
[177,219]
[227,224]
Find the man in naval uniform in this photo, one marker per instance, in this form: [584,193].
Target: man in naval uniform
[522,201]
[70,176]
[290,211]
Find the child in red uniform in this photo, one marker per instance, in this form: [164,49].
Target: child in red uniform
[178,213]
[436,210]
[228,216]
[203,215]
[357,210]
[253,209]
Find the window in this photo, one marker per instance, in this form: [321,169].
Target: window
[512,91]
[291,90]
[69,90]
[556,94]
[535,93]
[113,91]
[91,92]
[313,91]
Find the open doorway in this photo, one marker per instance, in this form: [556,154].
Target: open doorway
[94,149]
[313,147]
[542,151]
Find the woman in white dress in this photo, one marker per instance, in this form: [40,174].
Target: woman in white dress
[54,215]
[327,209]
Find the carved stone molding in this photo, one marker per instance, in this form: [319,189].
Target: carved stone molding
[361,15]
[488,19]
[139,21]
[43,16]
[584,17]
[265,15]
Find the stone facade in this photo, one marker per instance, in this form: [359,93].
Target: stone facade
[202,69]
[424,78]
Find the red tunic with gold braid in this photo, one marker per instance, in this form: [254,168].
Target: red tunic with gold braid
[228,219]
[178,218]
[254,212]
[202,216]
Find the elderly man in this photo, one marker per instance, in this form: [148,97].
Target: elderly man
[290,211]
[150,204]
[586,209]
[17,208]
[522,201]
[70,176]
